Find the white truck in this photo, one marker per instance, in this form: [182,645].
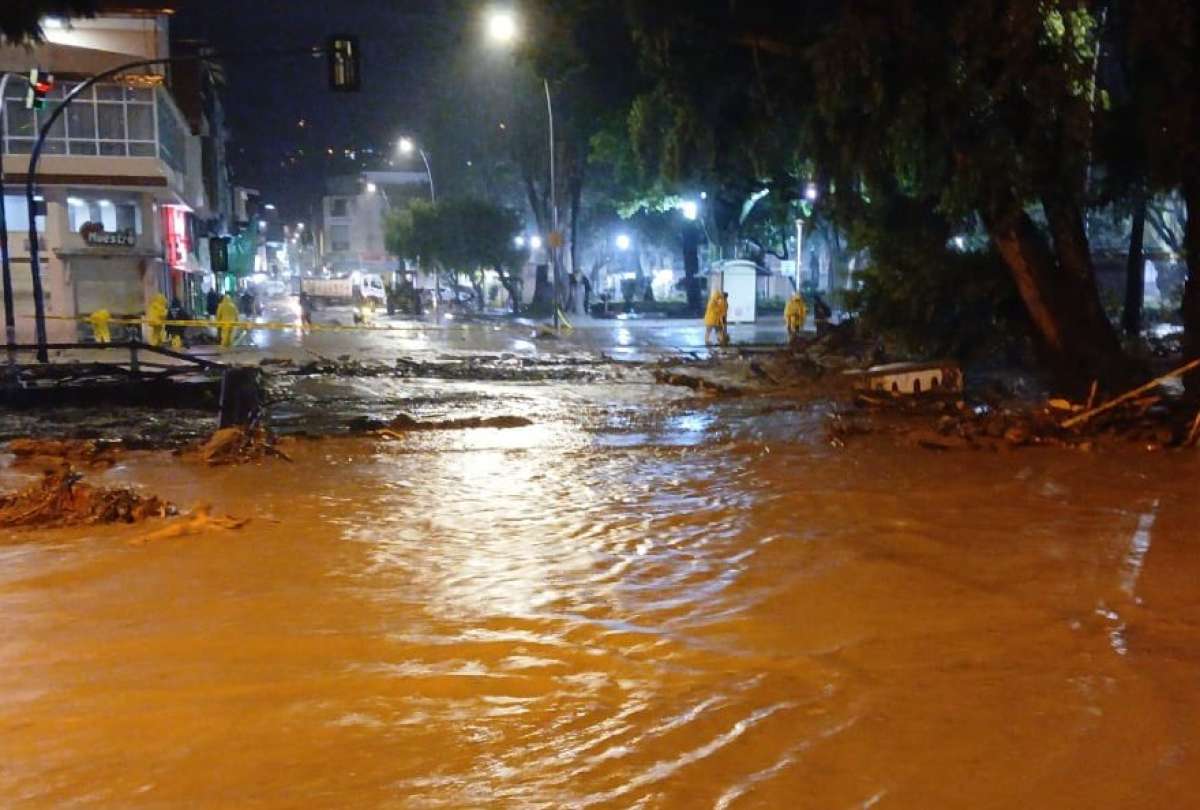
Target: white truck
[356,289]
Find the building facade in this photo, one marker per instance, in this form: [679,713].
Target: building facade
[353,224]
[127,203]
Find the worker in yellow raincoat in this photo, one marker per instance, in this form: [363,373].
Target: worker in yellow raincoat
[227,316]
[156,316]
[715,315]
[99,322]
[794,314]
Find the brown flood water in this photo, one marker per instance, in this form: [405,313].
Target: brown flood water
[551,617]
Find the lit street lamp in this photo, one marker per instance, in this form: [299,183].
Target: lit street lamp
[623,241]
[535,242]
[407,147]
[502,29]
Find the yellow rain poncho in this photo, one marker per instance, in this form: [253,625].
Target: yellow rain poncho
[156,315]
[227,315]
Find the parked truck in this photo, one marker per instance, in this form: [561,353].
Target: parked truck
[355,289]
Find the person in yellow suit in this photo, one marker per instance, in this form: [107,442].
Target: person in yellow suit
[227,316]
[156,316]
[99,321]
[714,316]
[794,314]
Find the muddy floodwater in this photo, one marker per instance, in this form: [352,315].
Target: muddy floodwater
[629,604]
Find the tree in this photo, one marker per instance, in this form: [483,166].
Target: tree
[460,238]
[989,107]
[20,22]
[1163,52]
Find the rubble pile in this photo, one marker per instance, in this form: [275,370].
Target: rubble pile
[239,445]
[1152,422]
[61,498]
[48,454]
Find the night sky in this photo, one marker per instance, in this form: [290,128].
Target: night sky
[266,101]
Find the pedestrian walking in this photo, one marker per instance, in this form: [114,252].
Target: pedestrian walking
[305,309]
[715,315]
[227,316]
[211,301]
[794,315]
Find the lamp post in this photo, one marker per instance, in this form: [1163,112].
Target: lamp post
[407,147]
[502,29]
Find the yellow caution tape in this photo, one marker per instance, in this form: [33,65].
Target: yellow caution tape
[289,326]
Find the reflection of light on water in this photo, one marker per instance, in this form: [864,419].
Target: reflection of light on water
[497,538]
[624,336]
[1139,545]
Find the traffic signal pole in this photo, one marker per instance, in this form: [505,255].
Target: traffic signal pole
[10,330]
[344,75]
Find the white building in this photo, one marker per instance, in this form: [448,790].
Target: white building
[120,175]
[353,236]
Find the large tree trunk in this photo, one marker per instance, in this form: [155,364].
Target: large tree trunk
[1191,289]
[1074,336]
[1135,271]
[543,290]
[691,268]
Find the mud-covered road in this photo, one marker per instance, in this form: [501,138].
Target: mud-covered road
[644,599]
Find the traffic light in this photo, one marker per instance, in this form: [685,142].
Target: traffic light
[218,254]
[345,64]
[39,85]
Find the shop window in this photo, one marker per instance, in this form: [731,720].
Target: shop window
[338,207]
[114,214]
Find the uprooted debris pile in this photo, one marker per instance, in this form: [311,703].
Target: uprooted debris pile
[700,384]
[404,423]
[61,498]
[49,454]
[239,445]
[1153,422]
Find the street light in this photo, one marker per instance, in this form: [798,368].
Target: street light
[502,26]
[535,242]
[407,147]
[690,210]
[371,187]
[519,241]
[503,29]
[623,241]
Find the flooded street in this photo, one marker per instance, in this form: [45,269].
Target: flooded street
[639,601]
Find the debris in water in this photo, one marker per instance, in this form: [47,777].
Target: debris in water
[50,454]
[61,499]
[403,422]
[239,445]
[200,520]
[695,382]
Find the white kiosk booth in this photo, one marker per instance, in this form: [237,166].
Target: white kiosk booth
[739,279]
